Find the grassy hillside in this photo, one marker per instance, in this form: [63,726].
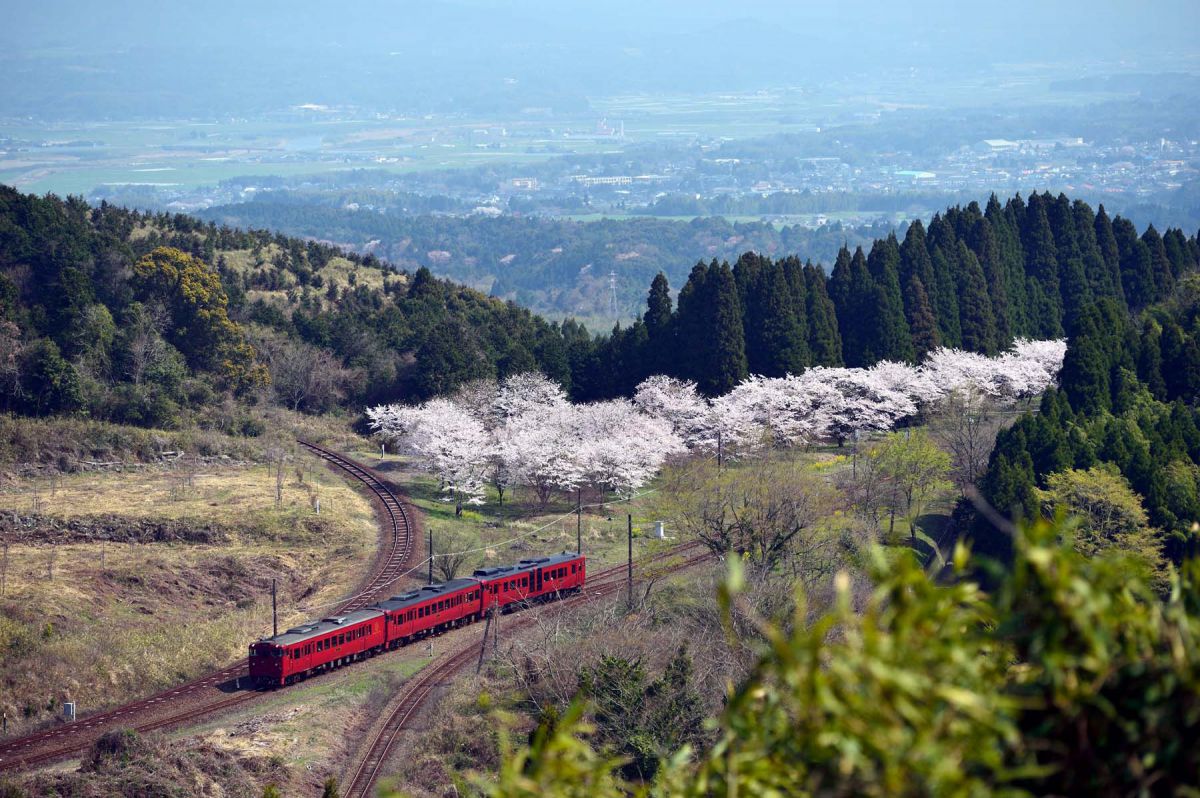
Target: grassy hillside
[104,615]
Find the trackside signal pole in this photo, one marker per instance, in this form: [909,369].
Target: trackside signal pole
[579,521]
[274,613]
[431,555]
[629,562]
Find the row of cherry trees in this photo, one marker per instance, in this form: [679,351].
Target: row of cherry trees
[524,431]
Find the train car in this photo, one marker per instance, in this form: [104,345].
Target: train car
[320,645]
[339,640]
[431,609]
[536,579]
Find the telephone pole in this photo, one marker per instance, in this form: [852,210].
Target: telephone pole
[629,571]
[431,555]
[274,613]
[579,521]
[487,627]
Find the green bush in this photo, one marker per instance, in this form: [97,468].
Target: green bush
[1072,677]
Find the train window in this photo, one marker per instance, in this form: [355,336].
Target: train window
[341,640]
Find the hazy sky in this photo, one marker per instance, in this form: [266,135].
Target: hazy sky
[1072,25]
[222,56]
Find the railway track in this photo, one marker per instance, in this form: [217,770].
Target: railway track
[221,689]
[604,583]
[401,528]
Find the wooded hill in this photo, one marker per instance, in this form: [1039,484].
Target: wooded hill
[157,319]
[99,320]
[553,266]
[974,279]
[1125,422]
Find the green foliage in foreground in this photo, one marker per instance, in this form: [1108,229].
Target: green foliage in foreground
[1071,678]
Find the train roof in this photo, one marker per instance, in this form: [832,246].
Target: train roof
[498,571]
[425,593]
[307,631]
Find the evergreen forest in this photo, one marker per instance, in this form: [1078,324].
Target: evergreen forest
[149,318]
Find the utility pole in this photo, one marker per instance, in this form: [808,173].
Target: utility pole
[274,612]
[431,555]
[487,627]
[629,571]
[4,571]
[579,520]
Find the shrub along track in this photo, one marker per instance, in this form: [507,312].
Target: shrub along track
[223,689]
[364,769]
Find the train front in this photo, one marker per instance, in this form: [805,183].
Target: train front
[266,663]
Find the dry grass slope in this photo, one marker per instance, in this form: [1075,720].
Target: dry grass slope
[99,623]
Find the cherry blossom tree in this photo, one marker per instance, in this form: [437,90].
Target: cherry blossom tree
[621,448]
[447,441]
[859,402]
[679,404]
[523,393]
[525,431]
[541,451]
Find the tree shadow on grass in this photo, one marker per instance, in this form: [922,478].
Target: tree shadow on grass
[931,529]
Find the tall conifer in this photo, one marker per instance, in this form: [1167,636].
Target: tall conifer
[824,341]
[977,323]
[921,322]
[728,367]
[1160,265]
[1041,267]
[1106,242]
[893,341]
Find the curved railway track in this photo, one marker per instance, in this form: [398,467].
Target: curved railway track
[604,583]
[221,689]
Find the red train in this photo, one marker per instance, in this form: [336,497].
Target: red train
[339,640]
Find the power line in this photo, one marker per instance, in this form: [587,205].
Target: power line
[427,561]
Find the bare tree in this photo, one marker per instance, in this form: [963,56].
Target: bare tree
[303,376]
[867,489]
[451,552]
[965,424]
[10,360]
[767,512]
